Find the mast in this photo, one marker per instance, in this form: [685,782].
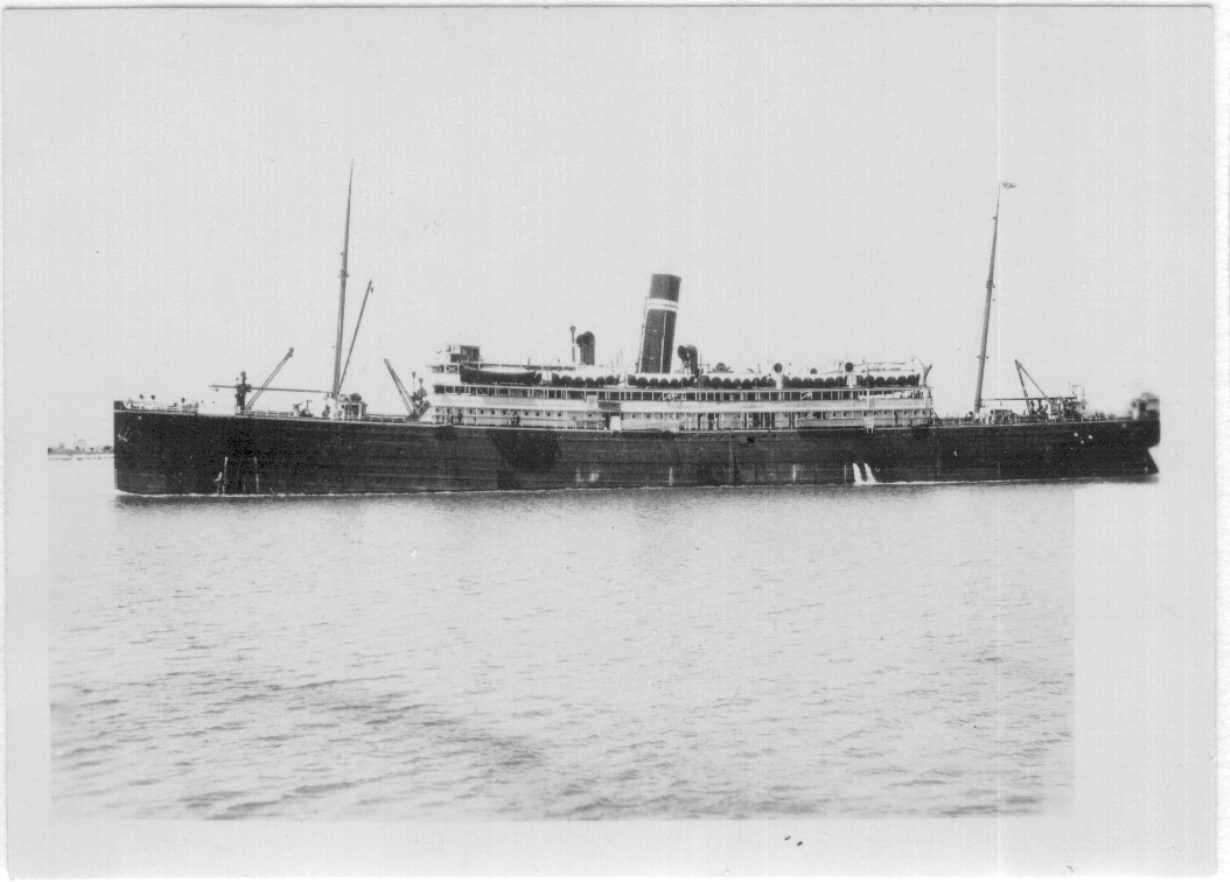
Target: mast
[986,313]
[341,300]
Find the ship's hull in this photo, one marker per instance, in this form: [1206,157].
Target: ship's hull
[159,452]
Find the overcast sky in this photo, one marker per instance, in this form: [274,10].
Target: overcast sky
[822,179]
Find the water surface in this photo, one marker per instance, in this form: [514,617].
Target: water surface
[731,653]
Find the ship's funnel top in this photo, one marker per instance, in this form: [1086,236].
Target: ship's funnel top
[585,342]
[664,287]
[658,328]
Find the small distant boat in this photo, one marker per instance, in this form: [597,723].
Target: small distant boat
[478,425]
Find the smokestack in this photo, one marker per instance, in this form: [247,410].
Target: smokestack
[585,342]
[658,329]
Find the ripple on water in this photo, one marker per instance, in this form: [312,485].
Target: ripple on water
[540,656]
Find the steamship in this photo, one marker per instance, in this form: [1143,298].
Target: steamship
[476,425]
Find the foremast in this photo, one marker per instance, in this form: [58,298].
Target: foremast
[335,389]
[986,312]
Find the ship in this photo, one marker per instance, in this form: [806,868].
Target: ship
[674,420]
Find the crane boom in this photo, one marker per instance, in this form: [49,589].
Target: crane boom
[273,389]
[269,379]
[1021,376]
[358,324]
[1022,372]
[1041,403]
[401,389]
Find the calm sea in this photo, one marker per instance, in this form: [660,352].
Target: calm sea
[729,653]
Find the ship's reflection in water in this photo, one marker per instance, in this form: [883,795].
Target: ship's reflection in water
[849,652]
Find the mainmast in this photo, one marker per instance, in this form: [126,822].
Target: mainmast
[986,313]
[341,300]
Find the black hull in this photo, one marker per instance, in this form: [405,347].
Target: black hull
[168,453]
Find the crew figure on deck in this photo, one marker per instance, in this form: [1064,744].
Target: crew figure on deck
[241,392]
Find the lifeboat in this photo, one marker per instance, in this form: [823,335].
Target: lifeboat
[476,376]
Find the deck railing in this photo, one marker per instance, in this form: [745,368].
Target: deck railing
[194,410]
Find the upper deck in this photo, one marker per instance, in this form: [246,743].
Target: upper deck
[559,397]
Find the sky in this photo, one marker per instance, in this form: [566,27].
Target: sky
[822,179]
